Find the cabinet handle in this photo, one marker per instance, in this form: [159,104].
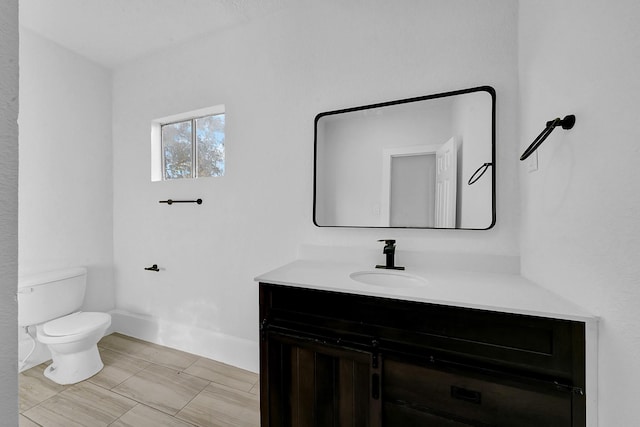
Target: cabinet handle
[374,353]
[471,396]
[264,325]
[375,386]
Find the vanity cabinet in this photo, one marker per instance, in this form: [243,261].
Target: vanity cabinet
[337,359]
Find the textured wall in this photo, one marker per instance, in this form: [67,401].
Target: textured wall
[581,209]
[274,75]
[66,198]
[8,211]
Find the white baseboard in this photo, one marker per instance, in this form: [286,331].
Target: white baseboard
[234,351]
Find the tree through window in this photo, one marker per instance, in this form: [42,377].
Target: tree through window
[193,148]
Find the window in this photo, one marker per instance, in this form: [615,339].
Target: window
[189,145]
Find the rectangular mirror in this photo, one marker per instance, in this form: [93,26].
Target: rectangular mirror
[425,162]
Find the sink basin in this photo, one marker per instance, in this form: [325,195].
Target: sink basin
[388,279]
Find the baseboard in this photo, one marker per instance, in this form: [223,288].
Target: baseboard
[234,351]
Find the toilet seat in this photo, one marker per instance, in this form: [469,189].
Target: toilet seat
[76,323]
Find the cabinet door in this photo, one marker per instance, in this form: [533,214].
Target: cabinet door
[310,383]
[416,395]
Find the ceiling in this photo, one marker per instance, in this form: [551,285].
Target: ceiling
[112,32]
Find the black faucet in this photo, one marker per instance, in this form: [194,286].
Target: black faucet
[390,251]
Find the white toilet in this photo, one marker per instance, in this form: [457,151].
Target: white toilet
[51,302]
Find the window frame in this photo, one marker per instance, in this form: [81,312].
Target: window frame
[158,170]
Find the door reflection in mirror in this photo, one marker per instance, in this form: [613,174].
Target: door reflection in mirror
[412,190]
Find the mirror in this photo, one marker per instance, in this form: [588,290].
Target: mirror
[412,163]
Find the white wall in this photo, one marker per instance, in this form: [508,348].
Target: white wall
[8,211]
[581,210]
[274,75]
[66,166]
[421,48]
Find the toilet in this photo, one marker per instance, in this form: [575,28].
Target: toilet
[50,302]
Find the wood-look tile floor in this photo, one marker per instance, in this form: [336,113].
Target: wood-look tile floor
[143,384]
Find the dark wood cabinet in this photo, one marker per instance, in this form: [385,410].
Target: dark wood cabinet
[337,359]
[313,384]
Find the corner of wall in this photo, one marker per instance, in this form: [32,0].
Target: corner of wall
[9,211]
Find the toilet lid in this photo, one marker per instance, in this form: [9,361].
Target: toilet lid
[76,323]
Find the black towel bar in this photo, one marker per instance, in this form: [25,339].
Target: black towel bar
[170,202]
[566,123]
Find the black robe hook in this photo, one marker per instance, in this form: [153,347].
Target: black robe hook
[566,123]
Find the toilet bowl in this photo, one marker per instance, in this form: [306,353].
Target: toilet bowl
[73,340]
[51,302]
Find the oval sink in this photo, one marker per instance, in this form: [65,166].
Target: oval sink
[388,279]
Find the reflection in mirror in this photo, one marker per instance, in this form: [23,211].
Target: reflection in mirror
[407,163]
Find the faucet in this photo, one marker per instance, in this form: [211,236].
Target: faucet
[390,251]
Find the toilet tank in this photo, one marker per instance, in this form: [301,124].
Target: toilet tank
[47,296]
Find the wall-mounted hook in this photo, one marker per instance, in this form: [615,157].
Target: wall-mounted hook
[566,123]
[154,267]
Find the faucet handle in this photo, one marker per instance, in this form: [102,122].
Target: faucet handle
[388,241]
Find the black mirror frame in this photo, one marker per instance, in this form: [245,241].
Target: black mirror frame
[487,89]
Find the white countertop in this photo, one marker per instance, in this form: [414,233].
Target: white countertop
[502,292]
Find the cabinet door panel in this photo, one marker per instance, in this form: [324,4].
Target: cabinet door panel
[315,385]
[353,401]
[480,399]
[405,416]
[303,386]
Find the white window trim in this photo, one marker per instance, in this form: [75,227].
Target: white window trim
[156,134]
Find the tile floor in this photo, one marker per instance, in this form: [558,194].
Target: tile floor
[143,384]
